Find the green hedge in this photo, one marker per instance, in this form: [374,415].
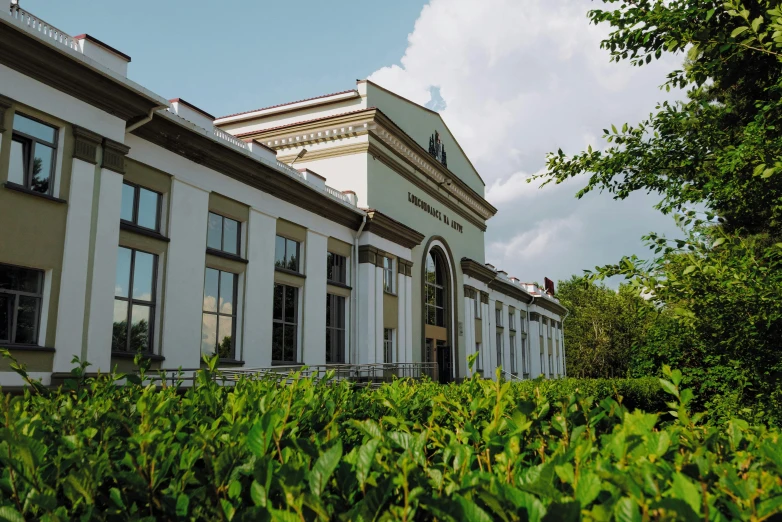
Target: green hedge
[319,450]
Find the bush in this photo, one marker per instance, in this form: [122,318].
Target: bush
[320,450]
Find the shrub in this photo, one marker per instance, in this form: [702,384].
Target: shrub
[318,450]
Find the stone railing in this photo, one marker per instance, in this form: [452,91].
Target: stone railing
[219,133]
[337,194]
[41,27]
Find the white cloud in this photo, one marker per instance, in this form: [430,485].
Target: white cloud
[520,78]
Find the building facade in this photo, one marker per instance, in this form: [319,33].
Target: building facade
[346,229]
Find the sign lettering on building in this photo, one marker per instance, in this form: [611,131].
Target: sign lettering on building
[429,209]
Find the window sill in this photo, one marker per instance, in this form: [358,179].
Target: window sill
[289,271]
[226,255]
[26,348]
[24,190]
[129,355]
[130,227]
[230,362]
[389,293]
[340,285]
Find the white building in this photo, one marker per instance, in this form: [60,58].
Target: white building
[132,223]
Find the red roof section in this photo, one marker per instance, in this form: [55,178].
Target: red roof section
[288,103]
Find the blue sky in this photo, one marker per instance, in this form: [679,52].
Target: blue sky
[238,55]
[513,79]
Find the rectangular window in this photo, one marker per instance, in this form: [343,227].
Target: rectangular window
[498,316]
[549,327]
[513,368]
[134,301]
[511,320]
[335,329]
[285,324]
[479,359]
[478,306]
[388,275]
[524,358]
[286,254]
[336,271]
[523,324]
[218,323]
[33,153]
[388,345]
[499,349]
[550,365]
[21,292]
[223,234]
[140,206]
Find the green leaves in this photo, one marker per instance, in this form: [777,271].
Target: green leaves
[323,468]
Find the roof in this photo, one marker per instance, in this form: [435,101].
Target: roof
[287,103]
[187,103]
[295,123]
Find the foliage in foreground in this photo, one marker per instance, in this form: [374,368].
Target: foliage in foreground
[319,450]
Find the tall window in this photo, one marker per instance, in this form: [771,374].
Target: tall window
[335,329]
[434,287]
[513,368]
[499,349]
[511,320]
[218,324]
[20,304]
[223,234]
[33,152]
[336,268]
[134,301]
[388,275]
[388,345]
[543,325]
[479,358]
[286,254]
[140,206]
[498,316]
[524,358]
[285,324]
[550,365]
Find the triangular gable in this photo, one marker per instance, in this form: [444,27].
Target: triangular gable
[421,124]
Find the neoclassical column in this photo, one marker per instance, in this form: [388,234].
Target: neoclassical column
[402,313]
[534,344]
[314,306]
[366,316]
[486,344]
[469,326]
[104,256]
[75,282]
[259,290]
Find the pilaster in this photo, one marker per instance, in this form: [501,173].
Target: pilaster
[259,294]
[314,306]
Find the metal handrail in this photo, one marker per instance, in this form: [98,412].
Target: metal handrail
[511,376]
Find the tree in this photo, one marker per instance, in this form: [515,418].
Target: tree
[603,327]
[719,149]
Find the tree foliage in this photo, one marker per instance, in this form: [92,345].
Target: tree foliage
[715,160]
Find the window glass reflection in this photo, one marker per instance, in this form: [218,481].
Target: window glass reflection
[148,203]
[143,274]
[214,235]
[128,196]
[231,236]
[33,128]
[139,328]
[42,168]
[210,290]
[122,280]
[226,292]
[16,167]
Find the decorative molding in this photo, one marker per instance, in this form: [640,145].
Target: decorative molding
[5,104]
[551,306]
[470,292]
[391,229]
[368,254]
[331,152]
[477,270]
[534,317]
[405,267]
[114,155]
[86,144]
[485,297]
[511,290]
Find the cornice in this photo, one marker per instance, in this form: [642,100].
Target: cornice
[86,144]
[114,155]
[475,269]
[385,227]
[511,290]
[331,152]
[166,133]
[551,306]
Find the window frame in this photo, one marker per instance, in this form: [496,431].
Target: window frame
[513,366]
[478,359]
[136,198]
[282,321]
[511,321]
[500,354]
[498,318]
[388,275]
[28,152]
[16,294]
[435,288]
[131,301]
[233,315]
[222,234]
[285,254]
[334,331]
[388,345]
[333,265]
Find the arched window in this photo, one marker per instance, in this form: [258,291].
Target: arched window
[434,286]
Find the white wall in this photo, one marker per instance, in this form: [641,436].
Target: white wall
[314,305]
[259,294]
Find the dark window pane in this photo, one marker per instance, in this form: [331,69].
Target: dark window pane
[6,313]
[33,128]
[440,297]
[440,317]
[143,274]
[278,297]
[27,320]
[139,328]
[210,290]
[231,236]
[122,280]
[224,337]
[289,343]
[42,168]
[330,268]
[227,293]
[214,233]
[292,253]
[208,334]
[20,279]
[291,311]
[128,195]
[279,252]
[120,336]
[148,208]
[329,311]
[329,356]
[277,329]
[16,169]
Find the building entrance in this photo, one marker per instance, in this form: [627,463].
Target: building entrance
[437,317]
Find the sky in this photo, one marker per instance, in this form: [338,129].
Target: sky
[513,79]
